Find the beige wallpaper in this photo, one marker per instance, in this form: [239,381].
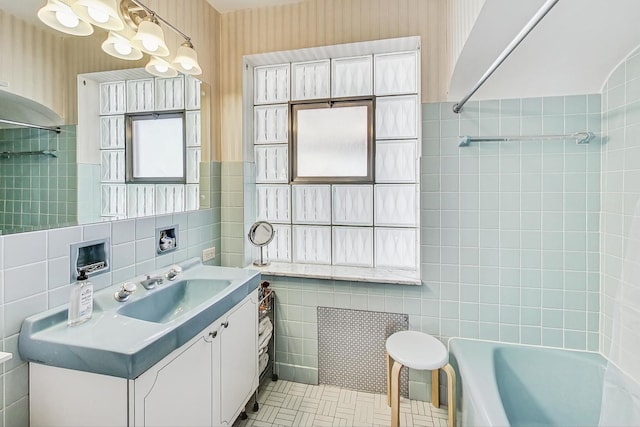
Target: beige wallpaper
[325,22]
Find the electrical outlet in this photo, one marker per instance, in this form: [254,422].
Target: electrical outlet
[209,253]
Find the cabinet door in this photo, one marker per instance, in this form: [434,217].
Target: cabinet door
[238,358]
[177,392]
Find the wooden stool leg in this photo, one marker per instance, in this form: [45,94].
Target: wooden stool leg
[435,388]
[395,394]
[389,364]
[451,393]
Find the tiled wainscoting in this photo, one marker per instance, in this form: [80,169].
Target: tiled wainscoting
[509,237]
[34,272]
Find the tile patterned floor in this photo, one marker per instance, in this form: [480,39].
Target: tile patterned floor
[284,403]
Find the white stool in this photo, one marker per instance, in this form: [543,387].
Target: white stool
[417,350]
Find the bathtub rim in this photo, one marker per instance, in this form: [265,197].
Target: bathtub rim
[481,388]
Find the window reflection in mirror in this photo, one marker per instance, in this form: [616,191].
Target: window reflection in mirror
[155,148]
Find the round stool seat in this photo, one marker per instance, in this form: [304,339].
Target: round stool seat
[417,350]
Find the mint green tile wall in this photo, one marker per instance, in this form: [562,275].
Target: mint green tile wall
[509,238]
[89,193]
[232,214]
[215,203]
[38,191]
[620,179]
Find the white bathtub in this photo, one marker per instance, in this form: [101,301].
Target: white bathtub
[517,385]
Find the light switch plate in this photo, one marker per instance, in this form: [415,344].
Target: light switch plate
[208,254]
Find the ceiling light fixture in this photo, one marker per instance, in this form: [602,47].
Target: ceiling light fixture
[59,16]
[102,13]
[133,29]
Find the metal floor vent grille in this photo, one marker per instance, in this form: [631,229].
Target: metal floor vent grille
[351,350]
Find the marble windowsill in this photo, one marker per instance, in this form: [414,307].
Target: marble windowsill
[334,272]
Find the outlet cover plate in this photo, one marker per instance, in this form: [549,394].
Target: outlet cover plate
[208,254]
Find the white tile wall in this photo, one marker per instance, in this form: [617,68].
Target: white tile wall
[396,248]
[353,246]
[352,204]
[396,73]
[351,77]
[311,204]
[310,80]
[396,161]
[274,203]
[169,93]
[396,205]
[271,124]
[312,244]
[271,84]
[272,163]
[113,98]
[140,96]
[397,117]
[112,132]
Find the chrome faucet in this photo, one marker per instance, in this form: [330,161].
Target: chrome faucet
[173,272]
[151,282]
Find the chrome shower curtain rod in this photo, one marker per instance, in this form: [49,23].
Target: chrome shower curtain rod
[507,51]
[29,125]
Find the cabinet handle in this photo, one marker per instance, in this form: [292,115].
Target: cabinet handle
[226,324]
[213,334]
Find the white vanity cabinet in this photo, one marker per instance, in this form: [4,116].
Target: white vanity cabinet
[206,382]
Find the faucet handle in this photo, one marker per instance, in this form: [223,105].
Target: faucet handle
[173,272]
[125,290]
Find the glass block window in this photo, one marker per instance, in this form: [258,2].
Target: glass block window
[371,222]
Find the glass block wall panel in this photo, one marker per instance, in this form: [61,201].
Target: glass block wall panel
[353,246]
[396,248]
[396,73]
[397,117]
[140,95]
[351,76]
[396,161]
[112,132]
[169,93]
[191,93]
[352,204]
[114,199]
[312,244]
[274,203]
[192,197]
[169,198]
[193,135]
[113,98]
[280,247]
[112,165]
[271,84]
[193,165]
[311,204]
[141,200]
[396,205]
[310,80]
[272,163]
[271,124]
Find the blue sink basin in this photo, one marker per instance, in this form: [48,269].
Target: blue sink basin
[124,339]
[174,300]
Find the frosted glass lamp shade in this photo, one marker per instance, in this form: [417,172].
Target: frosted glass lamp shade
[61,17]
[160,68]
[186,60]
[102,13]
[120,47]
[150,39]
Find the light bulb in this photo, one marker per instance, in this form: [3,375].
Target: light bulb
[162,68]
[150,45]
[122,48]
[98,15]
[67,18]
[186,65]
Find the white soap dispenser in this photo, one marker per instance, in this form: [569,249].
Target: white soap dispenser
[81,300]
